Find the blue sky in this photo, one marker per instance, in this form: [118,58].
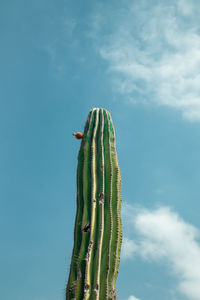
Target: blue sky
[140,60]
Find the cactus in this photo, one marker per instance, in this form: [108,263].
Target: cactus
[97,233]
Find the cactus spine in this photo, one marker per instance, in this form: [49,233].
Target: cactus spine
[98,232]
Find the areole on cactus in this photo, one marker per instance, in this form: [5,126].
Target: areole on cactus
[98,230]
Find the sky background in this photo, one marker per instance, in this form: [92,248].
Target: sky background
[140,60]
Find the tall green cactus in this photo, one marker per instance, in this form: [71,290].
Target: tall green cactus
[98,232]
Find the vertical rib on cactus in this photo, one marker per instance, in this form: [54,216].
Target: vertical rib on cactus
[97,232]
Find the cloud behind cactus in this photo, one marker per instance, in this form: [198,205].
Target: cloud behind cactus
[163,236]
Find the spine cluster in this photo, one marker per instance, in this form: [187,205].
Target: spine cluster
[98,231]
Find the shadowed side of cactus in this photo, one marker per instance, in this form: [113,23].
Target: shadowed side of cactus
[97,233]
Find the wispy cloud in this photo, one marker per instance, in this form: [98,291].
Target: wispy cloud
[163,235]
[128,248]
[153,52]
[61,43]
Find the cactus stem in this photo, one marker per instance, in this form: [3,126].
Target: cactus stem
[97,233]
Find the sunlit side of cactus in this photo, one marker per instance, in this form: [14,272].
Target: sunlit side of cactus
[98,232]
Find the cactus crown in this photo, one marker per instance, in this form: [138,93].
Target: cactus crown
[97,233]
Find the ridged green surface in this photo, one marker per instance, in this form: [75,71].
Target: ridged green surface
[98,231]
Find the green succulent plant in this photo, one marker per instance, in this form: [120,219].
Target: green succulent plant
[98,230]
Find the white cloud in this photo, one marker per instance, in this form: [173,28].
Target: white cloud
[133,298]
[163,235]
[153,52]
